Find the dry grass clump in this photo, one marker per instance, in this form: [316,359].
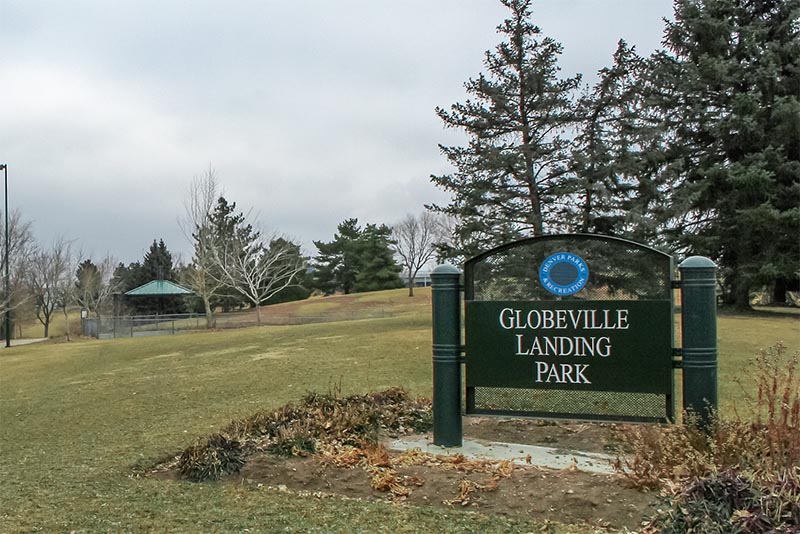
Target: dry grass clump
[297,430]
[741,474]
[733,501]
[211,458]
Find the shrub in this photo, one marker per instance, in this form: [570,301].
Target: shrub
[777,405]
[211,458]
[768,441]
[732,501]
[295,430]
[741,474]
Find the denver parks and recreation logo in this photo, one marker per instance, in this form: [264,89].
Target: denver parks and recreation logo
[563,274]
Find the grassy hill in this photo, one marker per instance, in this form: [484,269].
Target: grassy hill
[75,417]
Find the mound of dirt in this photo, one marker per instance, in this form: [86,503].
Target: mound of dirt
[419,479]
[567,496]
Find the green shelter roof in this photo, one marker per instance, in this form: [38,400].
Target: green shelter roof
[158,287]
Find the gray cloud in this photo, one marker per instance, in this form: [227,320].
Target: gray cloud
[310,111]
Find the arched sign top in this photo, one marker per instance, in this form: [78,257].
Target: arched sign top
[550,237]
[569,266]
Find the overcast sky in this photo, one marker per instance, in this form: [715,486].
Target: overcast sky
[310,111]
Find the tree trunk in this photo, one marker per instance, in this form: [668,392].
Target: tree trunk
[47,329]
[779,292]
[66,322]
[410,286]
[741,295]
[210,323]
[258,314]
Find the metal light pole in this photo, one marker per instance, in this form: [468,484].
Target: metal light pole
[5,258]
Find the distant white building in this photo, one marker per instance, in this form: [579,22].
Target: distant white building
[422,279]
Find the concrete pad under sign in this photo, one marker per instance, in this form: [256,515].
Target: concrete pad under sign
[518,453]
[19,342]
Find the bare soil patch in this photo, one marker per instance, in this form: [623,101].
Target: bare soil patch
[567,496]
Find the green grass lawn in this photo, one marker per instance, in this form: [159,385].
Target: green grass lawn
[75,417]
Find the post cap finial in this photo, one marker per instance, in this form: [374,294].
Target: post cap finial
[446,269]
[697,262]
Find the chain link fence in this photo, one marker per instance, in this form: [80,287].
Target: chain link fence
[156,325]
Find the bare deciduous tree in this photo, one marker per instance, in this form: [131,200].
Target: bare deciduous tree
[415,240]
[260,269]
[96,284]
[49,280]
[196,226]
[20,248]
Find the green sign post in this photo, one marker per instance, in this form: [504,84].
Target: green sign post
[446,300]
[699,337]
[572,326]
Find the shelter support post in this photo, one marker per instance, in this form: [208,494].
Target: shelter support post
[446,301]
[699,337]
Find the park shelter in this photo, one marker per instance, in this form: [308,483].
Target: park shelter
[158,288]
[164,292]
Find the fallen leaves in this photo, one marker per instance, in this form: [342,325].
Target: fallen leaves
[382,468]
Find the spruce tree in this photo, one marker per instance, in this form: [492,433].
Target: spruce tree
[357,260]
[601,181]
[509,179]
[377,268]
[157,264]
[325,266]
[730,94]
[618,178]
[87,284]
[336,263]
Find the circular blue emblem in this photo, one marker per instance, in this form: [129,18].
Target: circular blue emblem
[563,274]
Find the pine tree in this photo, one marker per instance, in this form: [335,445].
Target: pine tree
[619,181]
[357,260]
[377,268]
[325,267]
[336,264]
[509,179]
[87,284]
[730,88]
[157,264]
[301,289]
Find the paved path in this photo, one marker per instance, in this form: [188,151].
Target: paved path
[518,453]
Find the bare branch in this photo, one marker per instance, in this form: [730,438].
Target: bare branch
[415,240]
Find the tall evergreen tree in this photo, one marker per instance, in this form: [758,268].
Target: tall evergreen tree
[599,173]
[357,260]
[730,91]
[157,264]
[508,181]
[87,284]
[377,268]
[127,277]
[620,183]
[325,267]
[300,289]
[336,264]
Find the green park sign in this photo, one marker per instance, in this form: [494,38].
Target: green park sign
[614,346]
[570,326]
